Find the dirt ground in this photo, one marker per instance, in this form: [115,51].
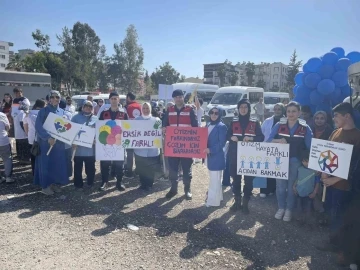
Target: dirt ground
[89,230]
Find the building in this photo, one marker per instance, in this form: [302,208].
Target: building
[25,52]
[193,80]
[5,54]
[273,75]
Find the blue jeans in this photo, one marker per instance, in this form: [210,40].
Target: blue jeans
[284,188]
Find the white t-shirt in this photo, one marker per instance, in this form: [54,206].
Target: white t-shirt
[70,108]
[18,130]
[30,121]
[199,114]
[4,122]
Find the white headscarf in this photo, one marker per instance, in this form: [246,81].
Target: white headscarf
[142,113]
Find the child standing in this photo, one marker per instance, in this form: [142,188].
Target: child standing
[306,187]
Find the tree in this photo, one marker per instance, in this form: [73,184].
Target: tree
[149,90]
[250,72]
[261,83]
[41,41]
[243,83]
[15,64]
[165,74]
[275,88]
[293,69]
[129,58]
[221,72]
[182,78]
[35,63]
[233,78]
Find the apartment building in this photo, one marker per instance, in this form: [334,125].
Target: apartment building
[25,52]
[5,54]
[211,73]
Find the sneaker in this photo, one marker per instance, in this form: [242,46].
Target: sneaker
[9,179]
[287,216]
[103,187]
[262,195]
[47,191]
[55,188]
[280,213]
[171,194]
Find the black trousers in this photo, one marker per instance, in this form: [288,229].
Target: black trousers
[105,167]
[89,170]
[270,187]
[146,168]
[174,169]
[248,187]
[129,160]
[23,149]
[32,157]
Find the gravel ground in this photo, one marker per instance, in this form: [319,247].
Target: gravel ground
[89,230]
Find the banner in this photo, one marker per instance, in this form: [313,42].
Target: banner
[330,157]
[60,128]
[108,140]
[186,142]
[85,136]
[263,159]
[141,134]
[165,92]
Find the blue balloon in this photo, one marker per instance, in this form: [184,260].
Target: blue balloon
[303,92]
[313,109]
[326,87]
[330,58]
[335,97]
[340,78]
[354,57]
[295,89]
[346,91]
[343,64]
[305,68]
[298,78]
[326,71]
[312,80]
[314,64]
[324,107]
[339,51]
[316,98]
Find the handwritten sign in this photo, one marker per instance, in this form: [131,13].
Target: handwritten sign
[263,159]
[108,140]
[141,134]
[187,142]
[60,128]
[85,136]
[330,157]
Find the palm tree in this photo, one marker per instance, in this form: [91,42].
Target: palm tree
[250,72]
[15,63]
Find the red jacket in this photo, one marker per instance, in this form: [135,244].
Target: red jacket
[133,109]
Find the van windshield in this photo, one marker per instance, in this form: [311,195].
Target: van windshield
[206,96]
[274,100]
[226,98]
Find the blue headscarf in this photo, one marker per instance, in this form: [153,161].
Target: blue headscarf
[219,116]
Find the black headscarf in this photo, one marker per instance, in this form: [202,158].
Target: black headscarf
[219,116]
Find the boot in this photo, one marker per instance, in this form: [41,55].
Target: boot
[120,186]
[187,191]
[173,191]
[237,204]
[245,206]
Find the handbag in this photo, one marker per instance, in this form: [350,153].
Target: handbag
[35,149]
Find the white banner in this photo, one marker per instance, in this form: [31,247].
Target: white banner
[141,134]
[60,128]
[165,91]
[85,137]
[108,140]
[263,159]
[330,157]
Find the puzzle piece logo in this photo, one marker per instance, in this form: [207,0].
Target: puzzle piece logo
[328,161]
[61,126]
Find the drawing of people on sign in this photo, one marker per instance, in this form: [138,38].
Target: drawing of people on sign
[243,161]
[277,163]
[258,162]
[266,163]
[251,162]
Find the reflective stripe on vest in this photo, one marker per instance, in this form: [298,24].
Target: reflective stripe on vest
[181,120]
[249,131]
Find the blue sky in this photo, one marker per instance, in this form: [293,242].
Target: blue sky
[190,33]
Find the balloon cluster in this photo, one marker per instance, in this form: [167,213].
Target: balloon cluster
[110,133]
[323,83]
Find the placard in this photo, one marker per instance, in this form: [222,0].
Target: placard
[85,136]
[186,142]
[263,159]
[60,128]
[108,140]
[330,157]
[165,92]
[14,110]
[141,134]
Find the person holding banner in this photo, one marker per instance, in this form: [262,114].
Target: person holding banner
[50,166]
[247,129]
[180,115]
[293,131]
[113,113]
[84,155]
[147,159]
[215,159]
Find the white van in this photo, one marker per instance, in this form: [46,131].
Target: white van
[228,97]
[271,98]
[204,91]
[78,100]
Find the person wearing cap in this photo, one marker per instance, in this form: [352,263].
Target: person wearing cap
[113,113]
[247,129]
[51,170]
[180,115]
[84,155]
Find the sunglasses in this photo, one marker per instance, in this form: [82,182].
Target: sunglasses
[57,97]
[214,113]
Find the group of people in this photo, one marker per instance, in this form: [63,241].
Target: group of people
[290,124]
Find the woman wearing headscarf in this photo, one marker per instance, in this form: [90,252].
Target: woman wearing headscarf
[247,129]
[146,159]
[279,112]
[215,159]
[50,170]
[321,128]
[6,108]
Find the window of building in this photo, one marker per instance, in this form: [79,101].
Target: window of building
[275,76]
[275,84]
[2,65]
[3,56]
[2,47]
[276,69]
